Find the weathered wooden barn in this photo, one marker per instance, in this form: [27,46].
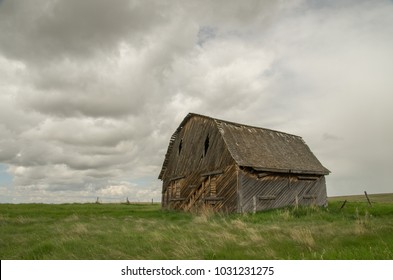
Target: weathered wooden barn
[238,168]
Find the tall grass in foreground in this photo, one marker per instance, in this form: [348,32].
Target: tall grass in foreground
[121,231]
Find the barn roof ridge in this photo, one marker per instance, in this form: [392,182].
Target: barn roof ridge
[236,124]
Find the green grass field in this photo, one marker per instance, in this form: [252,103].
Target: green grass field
[143,231]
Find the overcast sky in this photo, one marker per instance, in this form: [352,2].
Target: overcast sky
[91,91]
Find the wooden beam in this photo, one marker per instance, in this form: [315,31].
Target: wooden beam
[266,197]
[263,174]
[177,178]
[310,178]
[177,199]
[216,172]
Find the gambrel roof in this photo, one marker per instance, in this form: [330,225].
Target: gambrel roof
[261,149]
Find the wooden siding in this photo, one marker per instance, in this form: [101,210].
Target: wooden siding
[192,156]
[200,170]
[279,190]
[216,190]
[193,162]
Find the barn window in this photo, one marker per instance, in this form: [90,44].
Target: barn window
[206,144]
[180,145]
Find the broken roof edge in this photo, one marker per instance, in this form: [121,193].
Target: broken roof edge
[289,171]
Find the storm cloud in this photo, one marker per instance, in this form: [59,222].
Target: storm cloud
[91,91]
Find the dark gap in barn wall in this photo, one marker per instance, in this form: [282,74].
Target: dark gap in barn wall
[206,145]
[180,145]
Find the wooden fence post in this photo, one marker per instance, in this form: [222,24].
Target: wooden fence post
[254,204]
[369,202]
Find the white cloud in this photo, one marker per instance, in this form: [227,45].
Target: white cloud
[116,190]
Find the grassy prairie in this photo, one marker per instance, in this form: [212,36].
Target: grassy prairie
[379,198]
[143,231]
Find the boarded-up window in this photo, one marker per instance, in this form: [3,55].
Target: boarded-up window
[210,183]
[174,188]
[177,188]
[213,186]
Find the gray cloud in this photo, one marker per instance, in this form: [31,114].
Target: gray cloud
[42,31]
[92,90]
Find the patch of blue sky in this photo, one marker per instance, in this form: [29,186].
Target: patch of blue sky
[205,34]
[143,181]
[5,177]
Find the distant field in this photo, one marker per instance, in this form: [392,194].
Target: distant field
[380,198]
[144,231]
